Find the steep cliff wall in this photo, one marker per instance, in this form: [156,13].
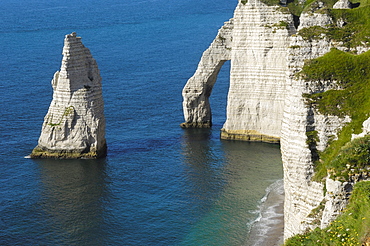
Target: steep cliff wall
[74,126]
[258,70]
[302,195]
[281,90]
[256,41]
[320,114]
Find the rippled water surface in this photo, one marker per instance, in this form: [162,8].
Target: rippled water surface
[160,184]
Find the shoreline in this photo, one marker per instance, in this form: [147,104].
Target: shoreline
[268,229]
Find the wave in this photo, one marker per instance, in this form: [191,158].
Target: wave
[268,228]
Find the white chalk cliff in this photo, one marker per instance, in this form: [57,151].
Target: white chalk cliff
[266,100]
[196,107]
[258,70]
[74,126]
[256,41]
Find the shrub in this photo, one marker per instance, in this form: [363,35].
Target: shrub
[350,228]
[351,73]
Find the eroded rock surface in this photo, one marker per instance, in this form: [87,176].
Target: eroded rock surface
[266,101]
[74,126]
[256,41]
[258,72]
[196,107]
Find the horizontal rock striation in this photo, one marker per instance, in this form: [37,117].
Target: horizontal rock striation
[306,132]
[74,126]
[258,72]
[302,195]
[268,100]
[256,41]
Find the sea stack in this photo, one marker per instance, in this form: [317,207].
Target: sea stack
[74,126]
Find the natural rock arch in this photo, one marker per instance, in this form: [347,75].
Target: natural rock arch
[256,41]
[196,93]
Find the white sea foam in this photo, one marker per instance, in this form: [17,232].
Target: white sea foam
[267,229]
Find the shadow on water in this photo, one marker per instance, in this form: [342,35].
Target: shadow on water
[203,167]
[73,195]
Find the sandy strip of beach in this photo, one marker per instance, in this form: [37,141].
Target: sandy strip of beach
[269,229]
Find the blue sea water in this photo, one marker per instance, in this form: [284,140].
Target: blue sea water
[160,184]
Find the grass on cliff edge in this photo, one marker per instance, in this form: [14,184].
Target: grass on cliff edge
[354,31]
[350,228]
[296,7]
[357,20]
[352,73]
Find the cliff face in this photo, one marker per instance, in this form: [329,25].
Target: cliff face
[74,126]
[258,70]
[269,98]
[256,41]
[310,130]
[302,195]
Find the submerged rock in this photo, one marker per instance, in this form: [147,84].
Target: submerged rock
[74,126]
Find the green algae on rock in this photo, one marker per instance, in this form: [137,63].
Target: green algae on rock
[74,126]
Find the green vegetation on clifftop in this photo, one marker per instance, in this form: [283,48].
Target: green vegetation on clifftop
[352,74]
[350,228]
[350,27]
[343,159]
[353,161]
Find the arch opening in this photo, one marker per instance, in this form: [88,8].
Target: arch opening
[218,98]
[198,89]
